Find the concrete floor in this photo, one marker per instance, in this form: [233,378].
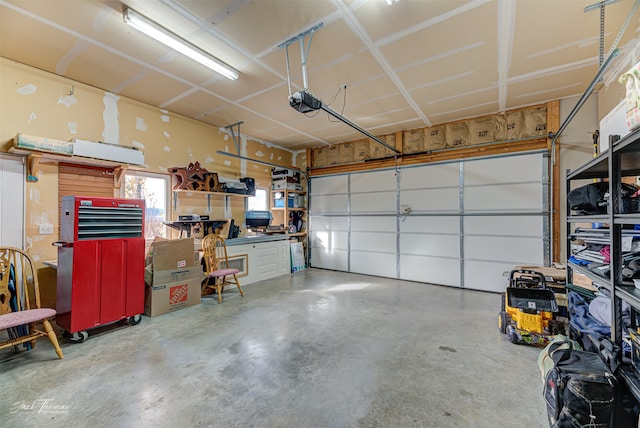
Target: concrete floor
[314,349]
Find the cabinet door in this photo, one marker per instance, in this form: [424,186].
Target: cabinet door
[266,260]
[134,273]
[248,274]
[113,279]
[85,287]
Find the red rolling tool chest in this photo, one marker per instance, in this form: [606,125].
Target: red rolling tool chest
[100,263]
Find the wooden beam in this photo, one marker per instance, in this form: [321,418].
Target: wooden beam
[309,154]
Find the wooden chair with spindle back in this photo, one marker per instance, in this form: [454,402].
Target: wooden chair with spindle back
[216,261]
[20,311]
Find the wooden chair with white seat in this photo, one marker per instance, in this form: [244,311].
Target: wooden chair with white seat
[218,272]
[20,310]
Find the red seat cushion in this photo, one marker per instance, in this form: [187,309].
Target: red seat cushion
[15,319]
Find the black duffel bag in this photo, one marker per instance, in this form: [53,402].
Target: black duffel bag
[591,198]
[579,388]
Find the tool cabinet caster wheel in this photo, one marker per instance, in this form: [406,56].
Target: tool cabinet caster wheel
[79,336]
[134,320]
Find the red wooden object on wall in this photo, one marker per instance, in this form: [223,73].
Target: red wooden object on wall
[100,263]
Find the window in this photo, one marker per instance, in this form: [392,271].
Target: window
[259,202]
[154,189]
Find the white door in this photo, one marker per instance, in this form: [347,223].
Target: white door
[12,201]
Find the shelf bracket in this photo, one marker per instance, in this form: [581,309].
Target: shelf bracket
[33,164]
[236,140]
[118,176]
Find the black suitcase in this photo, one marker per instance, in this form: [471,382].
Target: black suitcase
[579,390]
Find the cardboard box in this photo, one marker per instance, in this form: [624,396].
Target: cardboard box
[583,281]
[173,290]
[47,279]
[170,254]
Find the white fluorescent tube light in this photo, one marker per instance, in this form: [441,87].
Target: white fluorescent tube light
[161,34]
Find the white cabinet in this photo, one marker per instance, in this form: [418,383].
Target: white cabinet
[261,260]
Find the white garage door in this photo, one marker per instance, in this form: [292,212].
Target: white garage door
[459,223]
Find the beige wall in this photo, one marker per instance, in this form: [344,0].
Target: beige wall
[42,104]
[576,149]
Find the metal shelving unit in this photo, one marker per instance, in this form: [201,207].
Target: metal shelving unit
[621,160]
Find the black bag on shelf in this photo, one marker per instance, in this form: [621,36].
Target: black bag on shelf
[579,388]
[251,185]
[590,198]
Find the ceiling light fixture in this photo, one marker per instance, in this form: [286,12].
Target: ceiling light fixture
[161,34]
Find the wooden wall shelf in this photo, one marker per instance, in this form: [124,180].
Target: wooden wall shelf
[35,158]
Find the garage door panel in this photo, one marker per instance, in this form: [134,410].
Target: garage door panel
[330,204]
[504,225]
[330,185]
[430,224]
[507,169]
[319,223]
[424,177]
[431,200]
[330,240]
[486,276]
[378,202]
[371,263]
[373,224]
[373,181]
[515,250]
[370,241]
[336,260]
[504,197]
[433,270]
[430,245]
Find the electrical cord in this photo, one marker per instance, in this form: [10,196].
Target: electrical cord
[344,101]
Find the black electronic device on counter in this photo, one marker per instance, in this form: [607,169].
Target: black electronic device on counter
[257,219]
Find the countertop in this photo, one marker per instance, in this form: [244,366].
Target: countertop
[256,238]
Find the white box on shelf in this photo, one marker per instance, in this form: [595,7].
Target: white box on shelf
[284,185]
[631,81]
[107,151]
